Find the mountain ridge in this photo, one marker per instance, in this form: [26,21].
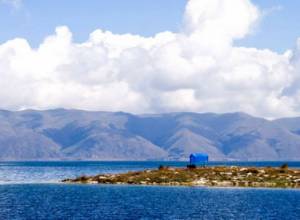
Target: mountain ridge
[62,134]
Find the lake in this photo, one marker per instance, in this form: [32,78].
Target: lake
[31,190]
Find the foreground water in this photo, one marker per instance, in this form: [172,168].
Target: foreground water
[31,190]
[53,201]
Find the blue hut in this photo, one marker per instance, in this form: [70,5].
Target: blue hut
[198,159]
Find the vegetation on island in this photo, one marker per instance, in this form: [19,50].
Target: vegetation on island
[220,176]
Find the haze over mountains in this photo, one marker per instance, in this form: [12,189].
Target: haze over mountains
[81,135]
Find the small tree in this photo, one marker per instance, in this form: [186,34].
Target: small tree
[284,166]
[162,167]
[191,166]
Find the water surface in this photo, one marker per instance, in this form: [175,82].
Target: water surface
[54,201]
[52,172]
[31,190]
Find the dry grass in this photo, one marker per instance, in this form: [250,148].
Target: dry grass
[206,176]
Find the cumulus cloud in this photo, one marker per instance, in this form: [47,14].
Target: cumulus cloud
[197,69]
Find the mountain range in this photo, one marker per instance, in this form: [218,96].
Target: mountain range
[62,134]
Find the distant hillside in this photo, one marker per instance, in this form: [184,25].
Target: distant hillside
[81,135]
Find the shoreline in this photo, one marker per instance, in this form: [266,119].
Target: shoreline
[60,183]
[218,176]
[177,186]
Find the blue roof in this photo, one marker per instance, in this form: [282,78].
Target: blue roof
[198,157]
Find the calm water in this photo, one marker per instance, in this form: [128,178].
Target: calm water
[53,172]
[31,190]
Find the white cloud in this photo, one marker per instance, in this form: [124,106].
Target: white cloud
[196,69]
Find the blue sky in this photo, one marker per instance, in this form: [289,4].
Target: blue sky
[34,19]
[141,56]
[37,19]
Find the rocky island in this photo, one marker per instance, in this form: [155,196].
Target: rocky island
[220,176]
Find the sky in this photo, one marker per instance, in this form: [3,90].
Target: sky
[151,56]
[33,20]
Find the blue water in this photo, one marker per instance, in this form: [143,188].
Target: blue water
[53,172]
[31,190]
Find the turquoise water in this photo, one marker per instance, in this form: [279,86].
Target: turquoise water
[31,190]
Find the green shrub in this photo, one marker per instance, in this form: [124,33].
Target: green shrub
[284,166]
[191,166]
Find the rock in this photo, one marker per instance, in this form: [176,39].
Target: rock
[92,182]
[225,183]
[201,182]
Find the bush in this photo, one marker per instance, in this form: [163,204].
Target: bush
[253,170]
[284,166]
[162,167]
[191,166]
[83,178]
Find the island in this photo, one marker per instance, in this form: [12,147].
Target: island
[216,176]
